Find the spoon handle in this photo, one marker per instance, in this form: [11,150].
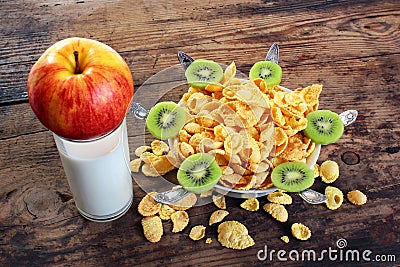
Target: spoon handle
[348,116]
[273,53]
[184,59]
[171,196]
[139,110]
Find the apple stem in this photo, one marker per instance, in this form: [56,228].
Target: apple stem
[77,69]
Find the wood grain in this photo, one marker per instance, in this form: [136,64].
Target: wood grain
[351,47]
[229,28]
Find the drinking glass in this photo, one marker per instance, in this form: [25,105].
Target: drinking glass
[98,174]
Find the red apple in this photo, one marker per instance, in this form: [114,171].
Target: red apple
[80,89]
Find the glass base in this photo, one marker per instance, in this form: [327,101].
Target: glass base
[108,217]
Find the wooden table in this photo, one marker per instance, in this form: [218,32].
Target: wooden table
[351,47]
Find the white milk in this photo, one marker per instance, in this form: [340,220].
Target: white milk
[98,174]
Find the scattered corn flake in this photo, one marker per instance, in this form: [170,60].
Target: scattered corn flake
[141,149]
[357,197]
[185,203]
[152,228]
[300,231]
[335,197]
[197,232]
[316,170]
[285,239]
[208,240]
[180,220]
[250,204]
[159,147]
[233,234]
[277,211]
[148,206]
[165,212]
[279,197]
[219,201]
[134,165]
[217,216]
[329,171]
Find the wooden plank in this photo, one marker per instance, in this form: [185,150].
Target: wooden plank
[149,38]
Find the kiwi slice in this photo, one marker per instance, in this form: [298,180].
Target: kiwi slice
[199,173]
[292,176]
[165,120]
[202,72]
[324,127]
[269,71]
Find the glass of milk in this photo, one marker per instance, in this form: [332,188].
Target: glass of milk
[98,174]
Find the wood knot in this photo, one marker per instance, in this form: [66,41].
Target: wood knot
[350,158]
[43,203]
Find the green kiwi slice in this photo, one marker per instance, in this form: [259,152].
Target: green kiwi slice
[202,72]
[165,120]
[269,71]
[199,173]
[324,127]
[292,176]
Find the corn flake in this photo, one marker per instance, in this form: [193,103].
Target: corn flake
[219,201]
[316,170]
[335,197]
[233,234]
[329,171]
[300,231]
[285,239]
[149,170]
[279,197]
[357,197]
[148,206]
[217,216]
[165,212]
[185,203]
[277,211]
[159,147]
[152,228]
[197,232]
[250,204]
[141,149]
[134,165]
[185,149]
[180,219]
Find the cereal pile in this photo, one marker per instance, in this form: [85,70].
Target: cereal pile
[241,122]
